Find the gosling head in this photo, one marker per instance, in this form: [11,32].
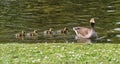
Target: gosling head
[65,29]
[50,29]
[23,32]
[35,31]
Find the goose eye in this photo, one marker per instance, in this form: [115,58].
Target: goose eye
[77,28]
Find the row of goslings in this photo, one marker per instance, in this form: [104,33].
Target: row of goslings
[34,33]
[23,34]
[51,32]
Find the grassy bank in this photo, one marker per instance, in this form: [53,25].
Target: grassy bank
[60,53]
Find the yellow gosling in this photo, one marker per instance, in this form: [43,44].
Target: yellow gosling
[20,35]
[33,33]
[64,31]
[48,32]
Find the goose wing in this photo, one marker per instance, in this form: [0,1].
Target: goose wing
[82,32]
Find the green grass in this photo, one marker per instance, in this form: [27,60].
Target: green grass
[59,53]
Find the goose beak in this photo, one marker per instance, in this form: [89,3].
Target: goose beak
[92,20]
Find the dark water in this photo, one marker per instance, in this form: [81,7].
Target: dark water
[29,15]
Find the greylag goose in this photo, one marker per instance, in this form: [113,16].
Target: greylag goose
[87,33]
[20,35]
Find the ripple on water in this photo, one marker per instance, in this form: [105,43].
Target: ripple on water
[118,35]
[118,23]
[117,29]
[110,10]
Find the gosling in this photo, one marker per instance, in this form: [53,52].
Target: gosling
[33,33]
[63,31]
[20,35]
[48,32]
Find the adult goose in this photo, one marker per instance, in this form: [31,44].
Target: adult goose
[87,33]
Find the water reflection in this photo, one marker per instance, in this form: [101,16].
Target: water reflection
[111,10]
[117,29]
[41,15]
[118,35]
[118,23]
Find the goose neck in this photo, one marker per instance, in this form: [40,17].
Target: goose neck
[92,26]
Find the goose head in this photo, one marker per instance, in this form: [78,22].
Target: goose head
[92,22]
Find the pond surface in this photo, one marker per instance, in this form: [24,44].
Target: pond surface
[29,15]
